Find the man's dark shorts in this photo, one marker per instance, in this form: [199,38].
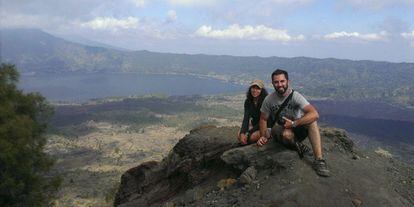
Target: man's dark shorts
[301,132]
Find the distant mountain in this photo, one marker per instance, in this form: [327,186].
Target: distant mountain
[88,42]
[36,51]
[39,52]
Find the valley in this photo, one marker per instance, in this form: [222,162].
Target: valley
[95,143]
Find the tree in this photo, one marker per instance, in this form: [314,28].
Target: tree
[23,163]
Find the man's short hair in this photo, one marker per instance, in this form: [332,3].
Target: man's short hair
[279,72]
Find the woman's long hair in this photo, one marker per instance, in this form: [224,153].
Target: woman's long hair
[261,97]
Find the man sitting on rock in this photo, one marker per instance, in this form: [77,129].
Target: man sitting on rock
[295,120]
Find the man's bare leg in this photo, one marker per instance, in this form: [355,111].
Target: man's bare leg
[315,140]
[319,164]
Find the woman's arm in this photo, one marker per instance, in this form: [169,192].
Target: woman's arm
[246,117]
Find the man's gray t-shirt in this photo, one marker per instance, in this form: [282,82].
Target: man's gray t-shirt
[292,111]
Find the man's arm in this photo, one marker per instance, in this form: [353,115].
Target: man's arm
[264,136]
[263,125]
[310,115]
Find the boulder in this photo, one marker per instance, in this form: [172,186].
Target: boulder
[202,169]
[186,165]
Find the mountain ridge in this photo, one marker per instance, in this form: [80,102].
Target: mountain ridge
[327,78]
[39,35]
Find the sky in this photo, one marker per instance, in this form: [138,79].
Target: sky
[347,29]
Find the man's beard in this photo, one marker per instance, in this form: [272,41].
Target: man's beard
[284,89]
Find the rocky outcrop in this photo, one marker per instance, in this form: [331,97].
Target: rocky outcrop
[190,162]
[208,168]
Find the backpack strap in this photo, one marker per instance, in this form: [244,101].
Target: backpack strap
[284,104]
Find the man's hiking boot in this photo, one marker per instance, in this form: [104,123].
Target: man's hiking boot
[301,149]
[320,167]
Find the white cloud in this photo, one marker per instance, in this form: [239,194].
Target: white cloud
[192,2]
[247,32]
[112,23]
[140,3]
[21,20]
[356,35]
[51,23]
[130,27]
[408,35]
[172,15]
[292,2]
[378,4]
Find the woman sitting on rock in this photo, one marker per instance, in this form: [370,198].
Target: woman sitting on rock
[250,132]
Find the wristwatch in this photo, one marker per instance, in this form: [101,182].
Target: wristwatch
[293,124]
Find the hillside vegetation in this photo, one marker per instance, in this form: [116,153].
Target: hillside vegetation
[24,166]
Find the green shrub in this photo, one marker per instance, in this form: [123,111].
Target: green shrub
[23,164]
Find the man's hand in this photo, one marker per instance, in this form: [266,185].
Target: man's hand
[243,139]
[288,123]
[262,141]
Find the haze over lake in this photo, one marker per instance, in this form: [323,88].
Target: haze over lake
[81,87]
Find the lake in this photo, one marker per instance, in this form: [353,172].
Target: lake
[81,87]
[385,123]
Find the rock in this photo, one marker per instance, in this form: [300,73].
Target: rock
[225,183]
[341,140]
[357,202]
[169,204]
[383,153]
[355,156]
[136,179]
[248,176]
[209,157]
[193,195]
[186,165]
[260,157]
[206,141]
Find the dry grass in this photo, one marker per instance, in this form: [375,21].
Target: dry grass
[92,164]
[93,161]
